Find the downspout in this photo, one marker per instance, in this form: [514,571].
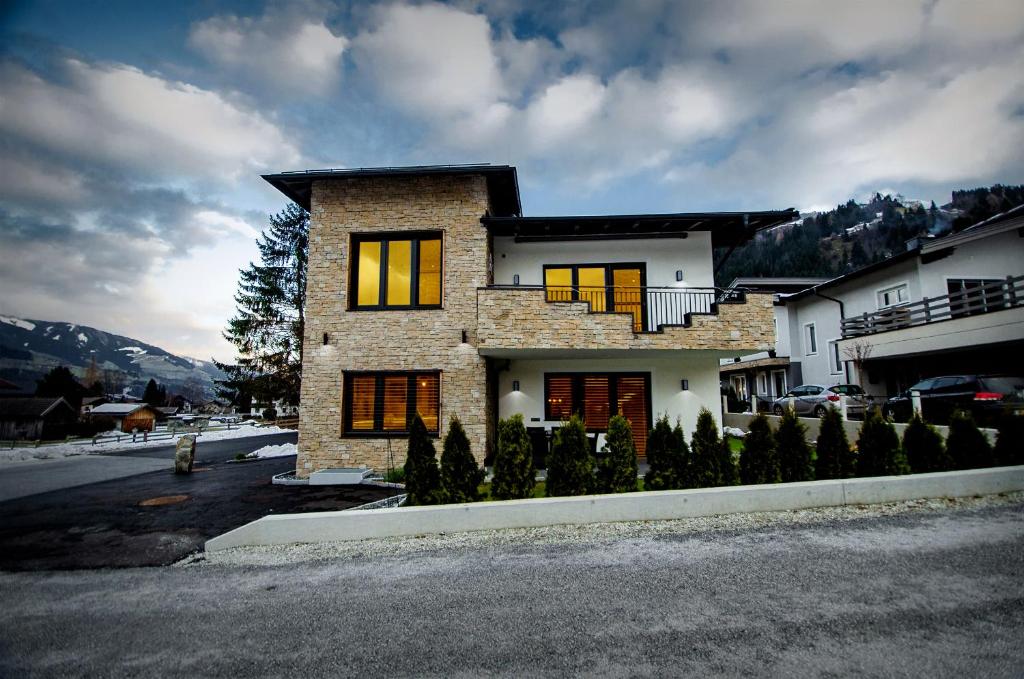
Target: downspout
[842,315]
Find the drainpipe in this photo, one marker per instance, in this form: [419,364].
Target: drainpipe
[842,315]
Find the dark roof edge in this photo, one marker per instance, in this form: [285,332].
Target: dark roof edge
[856,273]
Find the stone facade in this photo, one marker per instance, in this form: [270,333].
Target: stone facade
[511,319]
[391,340]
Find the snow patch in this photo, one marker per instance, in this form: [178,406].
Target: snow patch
[134,350]
[82,338]
[55,337]
[283,450]
[17,322]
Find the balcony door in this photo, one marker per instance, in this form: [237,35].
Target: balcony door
[617,288]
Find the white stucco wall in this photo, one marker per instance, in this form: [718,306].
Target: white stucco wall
[994,257]
[701,369]
[663,257]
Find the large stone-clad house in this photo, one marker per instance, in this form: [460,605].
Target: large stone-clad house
[429,292]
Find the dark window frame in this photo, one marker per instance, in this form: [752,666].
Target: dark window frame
[378,430]
[613,396]
[414,269]
[609,297]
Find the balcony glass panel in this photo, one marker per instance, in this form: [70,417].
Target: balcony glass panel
[592,287]
[559,284]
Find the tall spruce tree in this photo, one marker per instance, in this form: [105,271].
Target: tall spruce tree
[422,479]
[758,461]
[514,475]
[61,382]
[705,452]
[570,464]
[268,328]
[154,394]
[835,459]
[793,451]
[461,476]
[617,469]
[966,444]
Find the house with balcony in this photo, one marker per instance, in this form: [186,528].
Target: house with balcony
[429,292]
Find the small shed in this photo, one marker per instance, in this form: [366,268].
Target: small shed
[90,402]
[128,416]
[163,412]
[42,418]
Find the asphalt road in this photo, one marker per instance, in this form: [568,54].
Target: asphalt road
[937,594]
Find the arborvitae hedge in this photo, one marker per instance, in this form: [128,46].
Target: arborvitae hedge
[791,446]
[514,475]
[617,469]
[758,460]
[729,473]
[705,452]
[835,458]
[682,459]
[661,457]
[461,476]
[1009,448]
[878,448]
[923,446]
[966,445]
[422,479]
[570,464]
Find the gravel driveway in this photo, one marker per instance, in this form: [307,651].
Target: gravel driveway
[934,589]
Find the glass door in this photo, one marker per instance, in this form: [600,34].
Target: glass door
[628,293]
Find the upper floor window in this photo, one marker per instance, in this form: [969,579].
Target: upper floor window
[811,337]
[897,294]
[396,271]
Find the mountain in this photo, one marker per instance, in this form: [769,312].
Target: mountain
[30,348]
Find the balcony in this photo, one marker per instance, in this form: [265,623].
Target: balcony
[516,320]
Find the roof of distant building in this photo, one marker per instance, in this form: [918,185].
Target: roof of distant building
[118,408]
[39,406]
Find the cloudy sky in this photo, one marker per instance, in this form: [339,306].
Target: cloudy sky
[132,134]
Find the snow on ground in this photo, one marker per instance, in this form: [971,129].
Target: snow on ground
[11,320]
[283,450]
[48,452]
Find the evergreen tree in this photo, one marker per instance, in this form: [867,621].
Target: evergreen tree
[514,475]
[662,453]
[1009,448]
[966,444]
[570,464]
[835,459]
[422,479]
[729,473]
[461,476]
[617,469]
[268,328]
[758,460]
[705,452]
[60,382]
[924,449]
[683,459]
[154,394]
[878,448]
[793,451]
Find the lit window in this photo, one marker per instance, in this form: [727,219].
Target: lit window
[398,272]
[385,402]
[596,397]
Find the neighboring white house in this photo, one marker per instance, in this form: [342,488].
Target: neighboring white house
[950,305]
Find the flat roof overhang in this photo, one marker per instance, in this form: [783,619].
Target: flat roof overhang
[728,229]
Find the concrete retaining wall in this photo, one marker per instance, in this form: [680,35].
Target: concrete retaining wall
[647,506]
[813,424]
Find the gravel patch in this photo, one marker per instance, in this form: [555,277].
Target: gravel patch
[584,534]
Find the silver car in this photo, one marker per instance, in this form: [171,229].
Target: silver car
[813,399]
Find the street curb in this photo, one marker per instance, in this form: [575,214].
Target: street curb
[287,529]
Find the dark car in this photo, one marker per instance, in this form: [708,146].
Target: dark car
[986,397]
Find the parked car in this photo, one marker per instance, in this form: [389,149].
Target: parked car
[986,397]
[813,399]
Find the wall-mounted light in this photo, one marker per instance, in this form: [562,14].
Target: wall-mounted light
[515,385]
[326,339]
[515,279]
[465,337]
[685,385]
[679,274]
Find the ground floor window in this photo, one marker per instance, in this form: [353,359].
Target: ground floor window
[598,396]
[385,402]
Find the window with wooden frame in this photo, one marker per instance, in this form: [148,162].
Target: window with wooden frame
[400,270]
[376,403]
[599,396]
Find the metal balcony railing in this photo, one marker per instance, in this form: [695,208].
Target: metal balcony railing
[652,308]
[982,299]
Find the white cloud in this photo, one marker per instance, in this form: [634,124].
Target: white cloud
[564,110]
[290,51]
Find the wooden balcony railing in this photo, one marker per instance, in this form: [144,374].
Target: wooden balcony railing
[995,296]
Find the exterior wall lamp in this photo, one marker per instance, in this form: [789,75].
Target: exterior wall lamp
[465,337]
[326,339]
[685,385]
[515,279]
[679,274]
[515,385]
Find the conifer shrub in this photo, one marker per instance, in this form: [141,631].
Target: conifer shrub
[758,460]
[835,459]
[1009,448]
[923,446]
[461,476]
[705,452]
[422,478]
[791,447]
[570,464]
[662,450]
[729,473]
[514,475]
[966,444]
[617,469]
[682,459]
[878,448]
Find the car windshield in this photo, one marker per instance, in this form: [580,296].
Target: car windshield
[1004,384]
[848,389]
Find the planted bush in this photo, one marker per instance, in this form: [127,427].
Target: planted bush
[791,447]
[617,469]
[729,473]
[514,475]
[967,446]
[1009,448]
[681,462]
[422,479]
[570,464]
[922,444]
[835,459]
[461,476]
[661,452]
[758,460]
[705,452]
[878,448]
